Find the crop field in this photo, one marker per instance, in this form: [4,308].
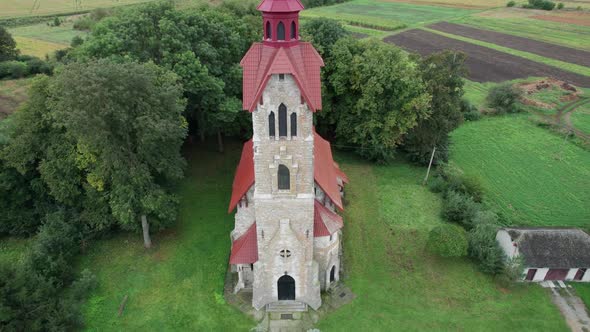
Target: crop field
[579,18]
[385,15]
[62,34]
[484,64]
[17,8]
[529,174]
[467,4]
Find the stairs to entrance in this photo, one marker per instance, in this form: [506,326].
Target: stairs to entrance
[286,307]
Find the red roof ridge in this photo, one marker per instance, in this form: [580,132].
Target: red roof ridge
[245,248]
[325,222]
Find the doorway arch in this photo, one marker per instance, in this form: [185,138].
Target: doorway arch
[333,274]
[286,288]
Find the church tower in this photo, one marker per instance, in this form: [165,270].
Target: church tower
[286,241]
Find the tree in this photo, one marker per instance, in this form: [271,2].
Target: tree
[323,34]
[504,98]
[443,74]
[8,49]
[485,249]
[377,95]
[448,240]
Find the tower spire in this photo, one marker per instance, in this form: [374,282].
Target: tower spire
[280,22]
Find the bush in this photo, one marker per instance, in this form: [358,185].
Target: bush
[540,4]
[510,4]
[459,207]
[504,98]
[485,217]
[438,184]
[485,249]
[470,112]
[448,240]
[560,5]
[13,69]
[77,41]
[56,21]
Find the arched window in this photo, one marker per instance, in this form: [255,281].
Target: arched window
[284,178]
[293,124]
[271,124]
[268,31]
[293,30]
[282,120]
[281,31]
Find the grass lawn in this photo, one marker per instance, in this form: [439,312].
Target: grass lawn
[583,290]
[581,118]
[531,175]
[15,8]
[386,15]
[179,284]
[399,285]
[62,34]
[570,35]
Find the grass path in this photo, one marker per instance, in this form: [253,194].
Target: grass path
[400,286]
[179,284]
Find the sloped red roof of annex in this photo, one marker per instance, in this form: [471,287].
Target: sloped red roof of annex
[280,6]
[325,222]
[325,172]
[244,250]
[300,60]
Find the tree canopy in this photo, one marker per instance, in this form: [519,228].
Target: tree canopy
[8,49]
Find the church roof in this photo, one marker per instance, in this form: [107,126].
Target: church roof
[326,173]
[244,250]
[325,222]
[300,60]
[280,6]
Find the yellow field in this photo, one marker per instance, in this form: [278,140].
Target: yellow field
[36,47]
[15,8]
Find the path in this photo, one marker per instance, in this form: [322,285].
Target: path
[572,308]
[563,117]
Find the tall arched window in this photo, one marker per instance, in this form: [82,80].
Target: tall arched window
[293,124]
[293,30]
[282,120]
[281,31]
[284,178]
[271,124]
[268,31]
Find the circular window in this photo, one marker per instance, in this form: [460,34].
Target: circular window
[285,253]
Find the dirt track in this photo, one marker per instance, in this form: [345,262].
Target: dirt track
[562,53]
[484,64]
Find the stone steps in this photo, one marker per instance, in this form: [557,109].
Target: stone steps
[286,307]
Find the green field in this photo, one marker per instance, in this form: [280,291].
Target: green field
[17,8]
[581,118]
[385,15]
[402,287]
[62,34]
[583,290]
[570,35]
[532,176]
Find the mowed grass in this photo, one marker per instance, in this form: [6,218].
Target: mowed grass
[581,118]
[62,34]
[570,35]
[177,286]
[532,176]
[17,8]
[583,290]
[385,15]
[36,47]
[399,285]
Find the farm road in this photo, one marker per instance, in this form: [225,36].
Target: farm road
[562,53]
[484,64]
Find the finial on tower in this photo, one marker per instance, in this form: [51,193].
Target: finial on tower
[281,21]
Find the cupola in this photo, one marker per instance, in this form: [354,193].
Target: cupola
[281,21]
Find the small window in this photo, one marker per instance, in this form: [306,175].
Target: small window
[268,31]
[293,124]
[285,253]
[281,77]
[284,178]
[282,120]
[293,30]
[281,31]
[271,124]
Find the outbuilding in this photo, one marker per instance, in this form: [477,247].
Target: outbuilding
[549,253]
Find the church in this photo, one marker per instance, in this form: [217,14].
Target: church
[287,190]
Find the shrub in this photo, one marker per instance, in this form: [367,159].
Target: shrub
[540,4]
[84,23]
[560,5]
[13,69]
[438,184]
[459,207]
[77,41]
[485,249]
[504,98]
[448,240]
[56,21]
[470,112]
[485,217]
[510,4]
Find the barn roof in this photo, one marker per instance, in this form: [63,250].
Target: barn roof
[325,222]
[244,250]
[300,60]
[326,173]
[552,247]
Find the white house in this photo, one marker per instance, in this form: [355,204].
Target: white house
[549,253]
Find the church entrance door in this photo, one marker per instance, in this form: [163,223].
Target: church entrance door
[333,273]
[286,287]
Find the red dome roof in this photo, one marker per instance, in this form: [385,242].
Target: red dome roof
[280,6]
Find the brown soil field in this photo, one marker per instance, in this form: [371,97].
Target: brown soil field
[571,18]
[484,64]
[562,53]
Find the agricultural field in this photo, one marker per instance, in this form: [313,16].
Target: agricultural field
[42,39]
[530,175]
[580,118]
[19,8]
[384,15]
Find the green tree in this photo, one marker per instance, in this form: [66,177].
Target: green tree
[504,98]
[378,95]
[448,240]
[485,249]
[323,34]
[443,74]
[8,49]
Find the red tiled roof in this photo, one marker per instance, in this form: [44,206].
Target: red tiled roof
[280,6]
[341,174]
[244,178]
[244,250]
[326,172]
[325,222]
[300,60]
